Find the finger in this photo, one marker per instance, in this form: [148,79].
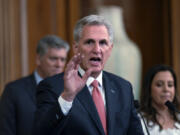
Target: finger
[79,61]
[87,74]
[78,58]
[72,63]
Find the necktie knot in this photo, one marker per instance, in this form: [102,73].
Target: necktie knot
[95,84]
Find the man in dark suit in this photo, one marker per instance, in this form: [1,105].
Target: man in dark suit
[85,100]
[17,104]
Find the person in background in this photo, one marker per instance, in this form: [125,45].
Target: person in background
[85,100]
[18,104]
[159,86]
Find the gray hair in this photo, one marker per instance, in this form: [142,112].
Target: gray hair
[92,20]
[51,41]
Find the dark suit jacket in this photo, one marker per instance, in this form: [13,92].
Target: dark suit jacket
[83,118]
[17,107]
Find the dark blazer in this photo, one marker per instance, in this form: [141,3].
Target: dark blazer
[83,118]
[17,107]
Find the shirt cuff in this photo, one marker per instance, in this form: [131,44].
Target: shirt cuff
[64,105]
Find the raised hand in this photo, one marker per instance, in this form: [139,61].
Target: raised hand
[73,83]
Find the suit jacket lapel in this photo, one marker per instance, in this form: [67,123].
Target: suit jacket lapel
[86,100]
[111,102]
[31,87]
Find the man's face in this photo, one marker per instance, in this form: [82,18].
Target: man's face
[95,46]
[52,62]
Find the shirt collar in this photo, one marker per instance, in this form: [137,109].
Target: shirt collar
[91,79]
[38,78]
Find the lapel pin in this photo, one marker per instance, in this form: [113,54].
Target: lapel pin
[113,91]
[57,116]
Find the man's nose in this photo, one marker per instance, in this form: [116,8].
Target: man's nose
[97,47]
[58,63]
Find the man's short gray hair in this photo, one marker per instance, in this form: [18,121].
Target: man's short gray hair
[51,41]
[92,20]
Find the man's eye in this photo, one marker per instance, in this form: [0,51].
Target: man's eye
[103,42]
[52,58]
[89,42]
[63,59]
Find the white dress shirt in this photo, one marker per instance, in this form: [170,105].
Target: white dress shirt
[155,130]
[38,78]
[66,105]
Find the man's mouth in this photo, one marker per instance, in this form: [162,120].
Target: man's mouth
[95,61]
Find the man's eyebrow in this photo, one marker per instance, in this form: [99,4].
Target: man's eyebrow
[89,40]
[104,40]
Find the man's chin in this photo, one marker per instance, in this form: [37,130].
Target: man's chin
[58,72]
[96,70]
[93,69]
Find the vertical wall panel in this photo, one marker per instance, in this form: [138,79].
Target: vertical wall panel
[175,18]
[74,15]
[1,48]
[10,42]
[24,41]
[61,18]
[39,25]
[49,17]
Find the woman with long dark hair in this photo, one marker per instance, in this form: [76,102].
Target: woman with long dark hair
[160,86]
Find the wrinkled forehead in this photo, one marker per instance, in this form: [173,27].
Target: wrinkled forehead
[94,31]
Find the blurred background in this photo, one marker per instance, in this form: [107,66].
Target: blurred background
[152,26]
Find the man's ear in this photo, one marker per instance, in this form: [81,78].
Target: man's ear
[75,47]
[38,62]
[111,47]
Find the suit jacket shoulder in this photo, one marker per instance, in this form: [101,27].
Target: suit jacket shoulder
[115,78]
[23,85]
[22,82]
[17,106]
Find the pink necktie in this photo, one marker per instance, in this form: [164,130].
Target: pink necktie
[96,95]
